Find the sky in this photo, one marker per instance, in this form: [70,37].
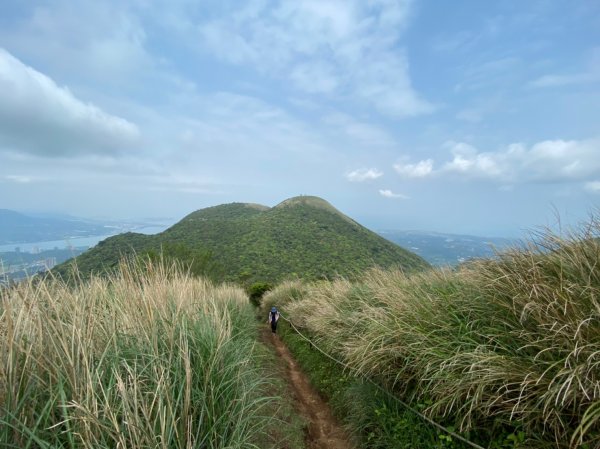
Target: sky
[464,117]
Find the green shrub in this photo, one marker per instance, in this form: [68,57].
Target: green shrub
[257,290]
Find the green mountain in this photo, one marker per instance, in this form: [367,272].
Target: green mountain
[302,236]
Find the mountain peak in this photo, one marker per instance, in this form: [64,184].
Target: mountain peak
[316,203]
[307,200]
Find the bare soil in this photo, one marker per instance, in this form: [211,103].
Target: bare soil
[323,431]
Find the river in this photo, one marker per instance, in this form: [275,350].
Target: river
[79,242]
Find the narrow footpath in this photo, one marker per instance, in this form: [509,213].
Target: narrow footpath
[323,430]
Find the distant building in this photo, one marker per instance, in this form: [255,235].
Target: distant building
[5,280]
[50,263]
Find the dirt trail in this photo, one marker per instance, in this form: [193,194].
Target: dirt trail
[323,430]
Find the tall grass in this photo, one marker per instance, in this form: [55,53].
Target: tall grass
[498,346]
[147,358]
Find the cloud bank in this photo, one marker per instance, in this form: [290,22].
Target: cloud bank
[545,161]
[328,47]
[41,118]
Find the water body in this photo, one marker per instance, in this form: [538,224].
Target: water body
[79,242]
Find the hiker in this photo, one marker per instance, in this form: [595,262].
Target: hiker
[273,318]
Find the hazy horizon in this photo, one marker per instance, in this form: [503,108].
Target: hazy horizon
[462,117]
[556,224]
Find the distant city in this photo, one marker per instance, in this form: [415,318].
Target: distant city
[447,249]
[20,270]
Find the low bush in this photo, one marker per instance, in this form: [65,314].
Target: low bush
[257,290]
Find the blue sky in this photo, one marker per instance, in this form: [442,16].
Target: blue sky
[464,116]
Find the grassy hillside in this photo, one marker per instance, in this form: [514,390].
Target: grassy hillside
[304,237]
[506,350]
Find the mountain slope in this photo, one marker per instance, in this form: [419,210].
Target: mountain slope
[302,236]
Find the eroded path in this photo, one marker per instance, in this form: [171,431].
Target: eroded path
[323,430]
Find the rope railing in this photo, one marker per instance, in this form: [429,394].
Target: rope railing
[383,390]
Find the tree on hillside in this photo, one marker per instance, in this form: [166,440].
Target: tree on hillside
[196,261]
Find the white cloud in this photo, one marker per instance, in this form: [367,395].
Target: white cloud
[243,130]
[389,194]
[105,39]
[592,186]
[323,47]
[421,169]
[19,179]
[39,117]
[546,161]
[315,78]
[363,174]
[382,78]
[467,160]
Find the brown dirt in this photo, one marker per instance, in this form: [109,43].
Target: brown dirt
[323,430]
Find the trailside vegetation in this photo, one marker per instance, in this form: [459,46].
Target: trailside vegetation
[257,290]
[303,237]
[375,419]
[506,351]
[147,357]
